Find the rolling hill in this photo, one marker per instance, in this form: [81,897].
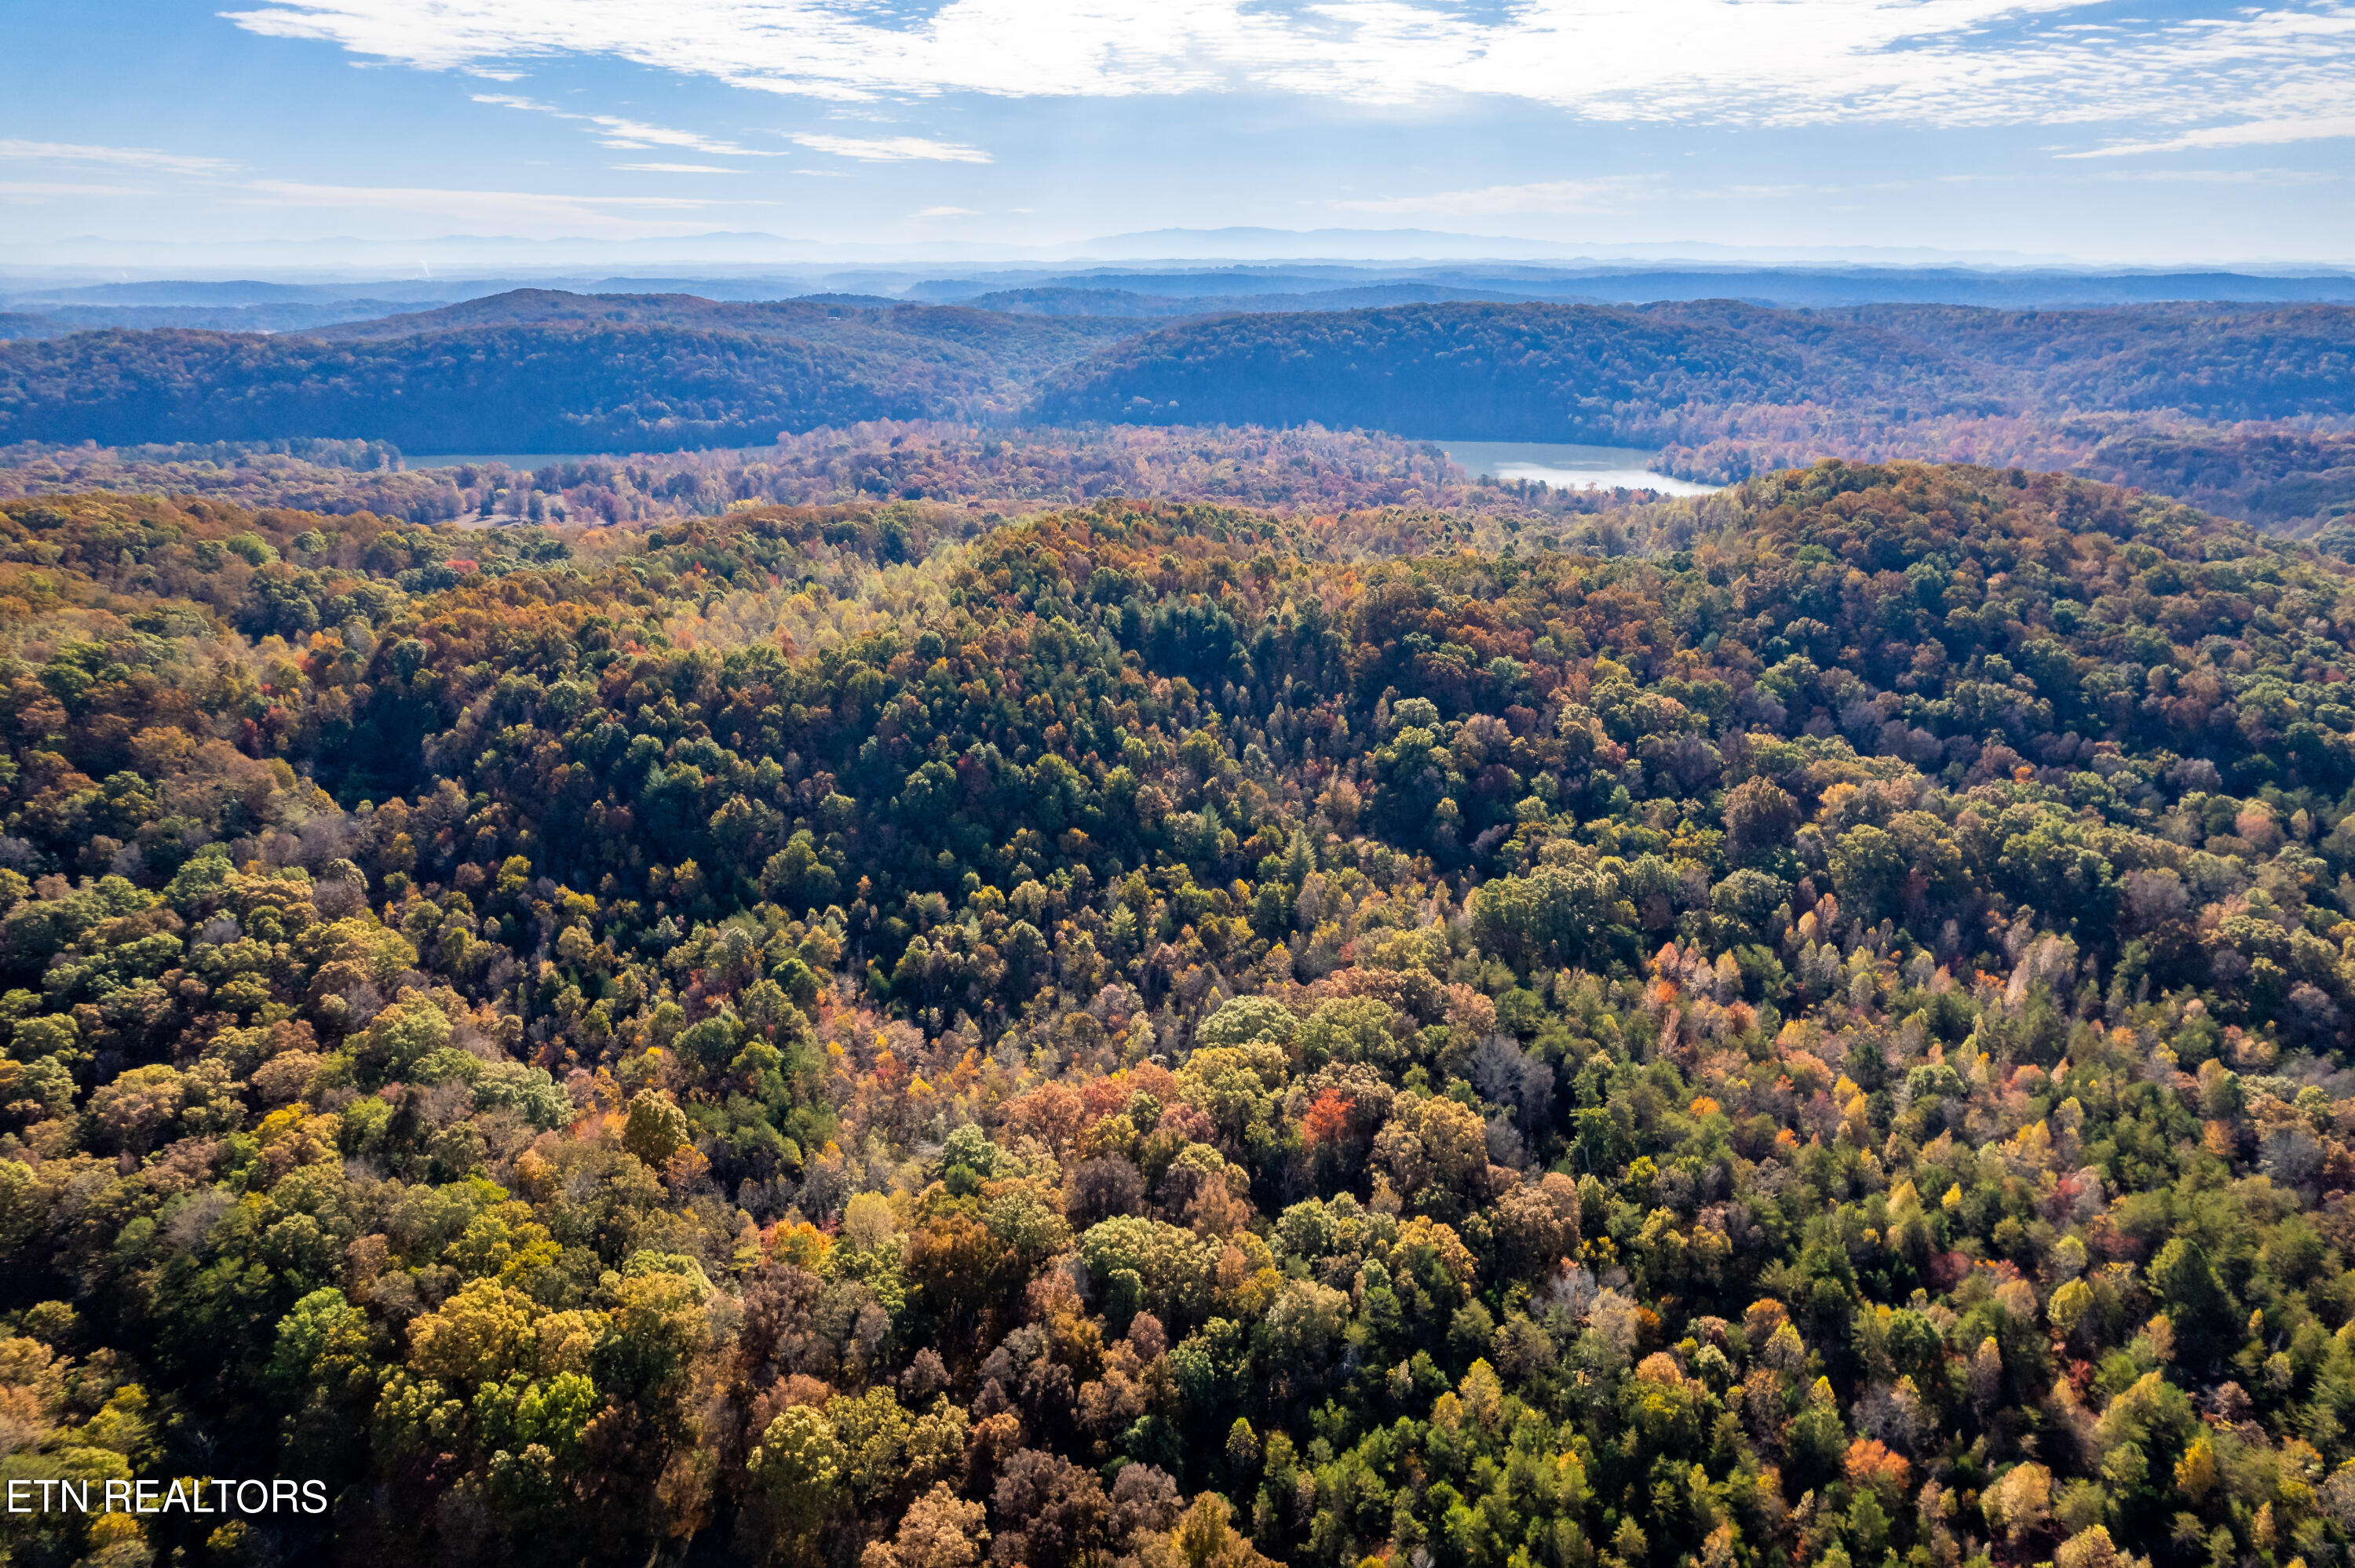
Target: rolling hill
[1529,372]
[541,370]
[1729,388]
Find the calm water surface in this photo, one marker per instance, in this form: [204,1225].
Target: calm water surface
[1568,467]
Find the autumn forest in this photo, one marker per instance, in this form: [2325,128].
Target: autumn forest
[1166,998]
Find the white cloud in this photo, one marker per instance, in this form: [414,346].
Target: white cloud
[892,149]
[2248,133]
[120,157]
[1545,197]
[946,212]
[677,169]
[631,134]
[1941,62]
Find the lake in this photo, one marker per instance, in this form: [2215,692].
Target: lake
[1560,465]
[1569,467]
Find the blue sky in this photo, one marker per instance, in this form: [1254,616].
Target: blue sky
[2104,131]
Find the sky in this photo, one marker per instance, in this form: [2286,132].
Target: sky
[155,131]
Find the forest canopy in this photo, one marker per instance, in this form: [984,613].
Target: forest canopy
[987,470]
[1808,1024]
[2251,397]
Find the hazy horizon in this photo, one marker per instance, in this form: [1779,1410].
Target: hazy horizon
[720,256]
[2087,131]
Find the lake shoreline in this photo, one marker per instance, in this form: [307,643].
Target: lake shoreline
[1568,466]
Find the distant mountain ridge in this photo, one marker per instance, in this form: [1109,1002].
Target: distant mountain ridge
[543,370]
[817,320]
[1129,303]
[1789,287]
[1727,384]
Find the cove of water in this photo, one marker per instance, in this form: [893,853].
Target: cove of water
[1568,467]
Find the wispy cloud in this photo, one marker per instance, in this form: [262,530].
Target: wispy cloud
[1488,201]
[2248,133]
[428,196]
[2224,176]
[946,212]
[892,149]
[1764,193]
[610,215]
[509,210]
[631,134]
[119,157]
[677,169]
[1938,62]
[64,190]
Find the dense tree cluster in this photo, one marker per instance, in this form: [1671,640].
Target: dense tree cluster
[1016,469]
[1764,439]
[2214,361]
[518,388]
[2293,476]
[538,371]
[1508,372]
[2267,474]
[329,476]
[1691,372]
[2214,405]
[45,318]
[959,335]
[1808,1027]
[1744,387]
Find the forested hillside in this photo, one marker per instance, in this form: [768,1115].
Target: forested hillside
[2267,474]
[561,390]
[1013,346]
[1691,372]
[1809,1026]
[57,319]
[1729,389]
[2238,409]
[538,371]
[1020,469]
[2294,476]
[1533,373]
[2214,362]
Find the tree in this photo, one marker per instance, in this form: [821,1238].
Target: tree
[2019,1503]
[939,1529]
[657,1128]
[1760,817]
[1054,1513]
[800,1468]
[1205,1538]
[2198,1305]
